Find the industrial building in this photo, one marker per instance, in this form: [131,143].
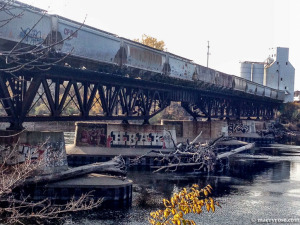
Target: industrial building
[276,72]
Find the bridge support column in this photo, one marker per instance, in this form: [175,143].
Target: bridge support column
[15,125]
[125,122]
[146,122]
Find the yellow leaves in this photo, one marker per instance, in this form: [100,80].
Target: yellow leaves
[187,210]
[212,206]
[196,185]
[176,219]
[209,186]
[207,207]
[180,213]
[153,214]
[174,201]
[152,42]
[151,221]
[167,213]
[176,197]
[173,211]
[199,210]
[166,202]
[186,201]
[208,190]
[176,222]
[201,202]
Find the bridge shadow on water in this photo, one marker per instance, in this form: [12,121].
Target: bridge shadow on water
[263,185]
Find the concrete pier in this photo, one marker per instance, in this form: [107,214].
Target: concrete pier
[116,192]
[49,147]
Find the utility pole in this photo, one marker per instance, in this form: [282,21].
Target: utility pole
[207,53]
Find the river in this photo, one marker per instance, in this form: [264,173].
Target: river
[254,189]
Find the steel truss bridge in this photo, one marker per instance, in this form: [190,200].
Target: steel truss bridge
[107,96]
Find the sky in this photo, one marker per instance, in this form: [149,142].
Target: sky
[237,30]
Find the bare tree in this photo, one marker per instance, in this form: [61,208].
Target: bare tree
[22,210]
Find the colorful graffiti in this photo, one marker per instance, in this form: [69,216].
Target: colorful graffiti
[52,154]
[92,135]
[30,152]
[238,127]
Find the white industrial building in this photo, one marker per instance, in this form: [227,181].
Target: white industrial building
[276,72]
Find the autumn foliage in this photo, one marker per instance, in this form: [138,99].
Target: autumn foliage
[186,201]
[151,42]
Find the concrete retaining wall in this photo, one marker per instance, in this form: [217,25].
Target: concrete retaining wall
[124,135]
[191,129]
[49,147]
[213,129]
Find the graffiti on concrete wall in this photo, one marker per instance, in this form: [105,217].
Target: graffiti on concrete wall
[128,136]
[30,152]
[238,127]
[55,154]
[12,155]
[52,154]
[94,135]
[139,139]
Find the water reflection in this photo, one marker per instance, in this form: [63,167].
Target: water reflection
[264,185]
[295,171]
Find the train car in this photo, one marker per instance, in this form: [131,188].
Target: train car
[240,84]
[250,87]
[267,92]
[223,79]
[86,42]
[280,95]
[34,27]
[205,74]
[83,43]
[29,26]
[181,68]
[139,56]
[260,90]
[274,94]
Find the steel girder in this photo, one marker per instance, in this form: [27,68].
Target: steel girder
[68,94]
[44,98]
[224,107]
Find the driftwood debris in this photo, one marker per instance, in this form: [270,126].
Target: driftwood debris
[193,155]
[235,151]
[116,166]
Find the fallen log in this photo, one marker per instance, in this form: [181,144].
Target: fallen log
[210,162]
[114,167]
[235,151]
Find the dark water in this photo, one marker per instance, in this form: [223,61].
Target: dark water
[265,185]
